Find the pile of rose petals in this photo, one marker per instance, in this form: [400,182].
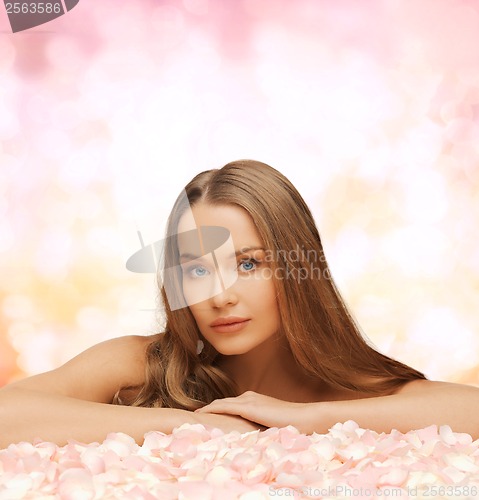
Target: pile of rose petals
[200,462]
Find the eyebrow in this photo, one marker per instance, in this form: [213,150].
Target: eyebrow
[247,249]
[189,256]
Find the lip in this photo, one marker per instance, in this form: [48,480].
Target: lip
[229,324]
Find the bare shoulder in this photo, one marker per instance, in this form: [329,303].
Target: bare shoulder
[97,373]
[420,385]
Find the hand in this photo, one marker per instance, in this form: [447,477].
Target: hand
[227,423]
[265,410]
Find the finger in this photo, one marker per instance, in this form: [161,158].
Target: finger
[218,403]
[229,408]
[218,408]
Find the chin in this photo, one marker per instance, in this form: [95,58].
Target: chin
[229,350]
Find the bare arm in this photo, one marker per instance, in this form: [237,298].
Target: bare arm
[419,404]
[416,405]
[26,414]
[72,402]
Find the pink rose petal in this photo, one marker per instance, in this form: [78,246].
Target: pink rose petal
[199,462]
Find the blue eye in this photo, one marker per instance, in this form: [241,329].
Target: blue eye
[248,265]
[197,272]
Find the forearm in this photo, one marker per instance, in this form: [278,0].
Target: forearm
[26,415]
[452,404]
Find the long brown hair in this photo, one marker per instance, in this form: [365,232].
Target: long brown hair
[323,337]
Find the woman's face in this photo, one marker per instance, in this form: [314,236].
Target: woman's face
[237,310]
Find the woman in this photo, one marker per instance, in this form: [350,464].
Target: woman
[257,336]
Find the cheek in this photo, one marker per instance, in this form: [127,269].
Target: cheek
[272,299]
[263,294]
[196,313]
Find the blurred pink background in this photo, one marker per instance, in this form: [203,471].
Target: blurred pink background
[371,108]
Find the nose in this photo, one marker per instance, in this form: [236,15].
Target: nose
[228,297]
